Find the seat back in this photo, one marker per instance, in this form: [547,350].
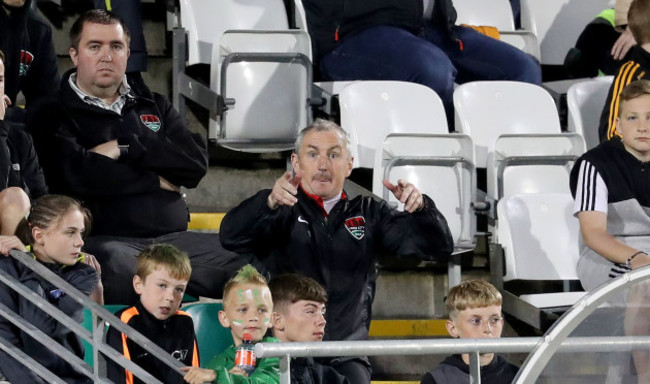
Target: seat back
[261,69]
[370,110]
[441,166]
[586,101]
[487,109]
[494,13]
[532,163]
[211,336]
[206,19]
[558,23]
[88,324]
[539,235]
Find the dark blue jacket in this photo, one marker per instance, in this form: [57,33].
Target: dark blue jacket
[82,277]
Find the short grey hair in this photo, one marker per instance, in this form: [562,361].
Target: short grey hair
[322,125]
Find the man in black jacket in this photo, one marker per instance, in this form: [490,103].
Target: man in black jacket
[20,174]
[388,40]
[126,152]
[30,65]
[306,224]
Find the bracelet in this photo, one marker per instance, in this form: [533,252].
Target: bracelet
[628,262]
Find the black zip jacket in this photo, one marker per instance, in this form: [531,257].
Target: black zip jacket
[18,162]
[175,335]
[453,370]
[332,21]
[123,195]
[304,370]
[30,59]
[82,277]
[338,251]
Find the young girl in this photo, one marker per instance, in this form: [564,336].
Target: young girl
[52,232]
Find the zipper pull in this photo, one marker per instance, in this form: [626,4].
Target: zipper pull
[336,33]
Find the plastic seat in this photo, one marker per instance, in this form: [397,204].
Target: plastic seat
[211,336]
[88,324]
[498,14]
[487,109]
[370,110]
[538,241]
[558,23]
[585,101]
[442,167]
[258,68]
[517,138]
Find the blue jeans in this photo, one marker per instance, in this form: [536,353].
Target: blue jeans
[391,53]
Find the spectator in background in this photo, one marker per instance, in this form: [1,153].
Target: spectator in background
[474,309]
[307,224]
[637,67]
[160,280]
[30,65]
[604,45]
[610,185]
[299,316]
[54,232]
[126,152]
[20,174]
[388,40]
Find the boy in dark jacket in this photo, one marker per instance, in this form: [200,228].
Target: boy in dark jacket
[474,308]
[299,315]
[160,280]
[20,174]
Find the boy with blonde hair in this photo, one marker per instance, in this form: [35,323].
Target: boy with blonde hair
[162,274]
[474,308]
[247,308]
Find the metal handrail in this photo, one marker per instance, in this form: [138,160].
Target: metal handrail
[474,347]
[95,339]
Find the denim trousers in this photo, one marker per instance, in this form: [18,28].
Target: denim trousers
[432,59]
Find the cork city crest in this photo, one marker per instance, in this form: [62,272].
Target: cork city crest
[26,59]
[356,226]
[151,121]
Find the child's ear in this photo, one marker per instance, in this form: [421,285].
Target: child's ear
[277,321]
[137,284]
[37,234]
[451,329]
[223,319]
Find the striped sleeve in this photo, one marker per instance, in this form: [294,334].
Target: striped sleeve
[591,191]
[626,74]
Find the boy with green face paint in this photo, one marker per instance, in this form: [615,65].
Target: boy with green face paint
[247,308]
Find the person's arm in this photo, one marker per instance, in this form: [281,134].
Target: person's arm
[70,167]
[257,221]
[30,168]
[423,232]
[593,227]
[173,152]
[623,44]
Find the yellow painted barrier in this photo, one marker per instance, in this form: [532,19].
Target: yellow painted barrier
[407,328]
[205,221]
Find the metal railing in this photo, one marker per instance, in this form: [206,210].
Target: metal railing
[473,347]
[100,317]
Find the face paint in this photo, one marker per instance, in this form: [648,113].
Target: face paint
[237,323]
